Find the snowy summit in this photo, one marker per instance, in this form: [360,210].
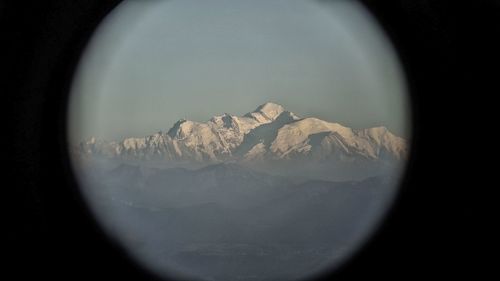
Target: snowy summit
[270,133]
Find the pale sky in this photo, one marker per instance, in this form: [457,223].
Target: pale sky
[154,62]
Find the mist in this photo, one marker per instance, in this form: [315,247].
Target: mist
[239,140]
[228,222]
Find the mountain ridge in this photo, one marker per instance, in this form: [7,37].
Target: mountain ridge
[270,133]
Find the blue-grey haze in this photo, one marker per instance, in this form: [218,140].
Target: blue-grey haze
[154,62]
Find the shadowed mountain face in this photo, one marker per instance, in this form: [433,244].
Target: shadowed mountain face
[270,139]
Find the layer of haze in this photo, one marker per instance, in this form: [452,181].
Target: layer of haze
[154,62]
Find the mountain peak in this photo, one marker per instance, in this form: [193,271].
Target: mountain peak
[267,111]
[268,133]
[270,107]
[176,128]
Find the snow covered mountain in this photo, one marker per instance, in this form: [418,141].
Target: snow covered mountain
[207,194]
[269,134]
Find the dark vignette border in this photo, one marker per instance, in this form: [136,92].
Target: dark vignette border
[50,232]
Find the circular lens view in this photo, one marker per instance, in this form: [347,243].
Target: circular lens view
[239,140]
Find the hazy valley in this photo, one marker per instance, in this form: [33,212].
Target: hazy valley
[264,196]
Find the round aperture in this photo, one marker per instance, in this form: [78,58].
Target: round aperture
[239,140]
